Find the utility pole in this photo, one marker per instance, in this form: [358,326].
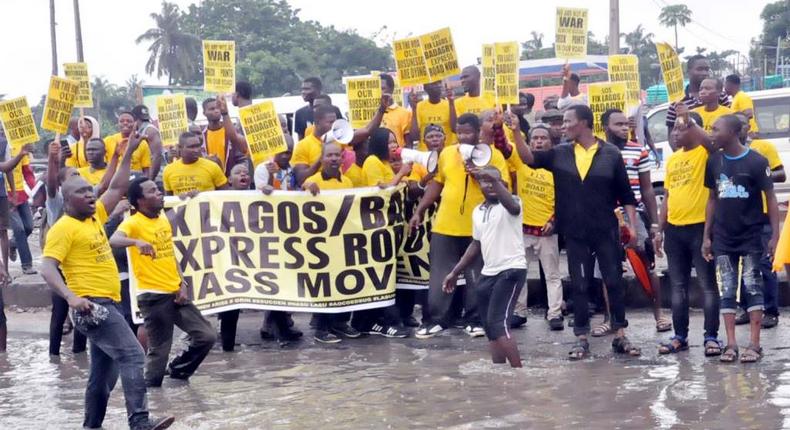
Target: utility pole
[614,27]
[78,31]
[53,37]
[778,48]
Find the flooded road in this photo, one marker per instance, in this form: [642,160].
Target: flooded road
[445,382]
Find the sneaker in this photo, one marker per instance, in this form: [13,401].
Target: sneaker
[770,321]
[155,424]
[742,317]
[475,331]
[428,331]
[411,322]
[556,324]
[388,331]
[517,321]
[325,337]
[29,271]
[346,331]
[290,334]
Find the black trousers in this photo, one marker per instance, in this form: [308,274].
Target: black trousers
[60,311]
[445,253]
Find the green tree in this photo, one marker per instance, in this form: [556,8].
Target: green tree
[533,48]
[173,52]
[776,26]
[640,43]
[674,16]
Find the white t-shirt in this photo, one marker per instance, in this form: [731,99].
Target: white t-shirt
[501,237]
[282,177]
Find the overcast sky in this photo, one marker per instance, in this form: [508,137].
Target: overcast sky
[109,28]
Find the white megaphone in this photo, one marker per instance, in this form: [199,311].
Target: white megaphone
[428,159]
[479,155]
[341,132]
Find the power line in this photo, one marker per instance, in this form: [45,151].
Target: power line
[704,27]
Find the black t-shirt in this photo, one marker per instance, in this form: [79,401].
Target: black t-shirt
[739,183]
[304,116]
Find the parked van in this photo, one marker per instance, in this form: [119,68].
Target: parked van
[772,111]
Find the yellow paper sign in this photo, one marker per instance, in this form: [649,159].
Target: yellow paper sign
[506,63]
[571,34]
[263,131]
[625,68]
[410,62]
[397,92]
[79,73]
[172,116]
[488,74]
[440,56]
[18,123]
[60,102]
[602,97]
[364,98]
[673,73]
[219,66]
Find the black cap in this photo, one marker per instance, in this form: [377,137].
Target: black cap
[140,112]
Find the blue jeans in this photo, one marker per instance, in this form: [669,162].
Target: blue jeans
[114,350]
[728,267]
[21,220]
[770,282]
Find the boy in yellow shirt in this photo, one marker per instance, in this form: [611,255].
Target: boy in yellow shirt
[141,159]
[163,294]
[711,110]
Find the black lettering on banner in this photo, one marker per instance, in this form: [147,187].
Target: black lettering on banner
[311,212]
[259,222]
[370,212]
[418,263]
[239,277]
[267,252]
[380,283]
[190,287]
[395,211]
[232,219]
[188,254]
[211,245]
[381,249]
[305,284]
[342,215]
[354,245]
[206,289]
[323,258]
[266,287]
[288,245]
[240,249]
[205,218]
[359,282]
[288,217]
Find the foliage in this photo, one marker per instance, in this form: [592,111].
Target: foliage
[776,26]
[674,16]
[173,51]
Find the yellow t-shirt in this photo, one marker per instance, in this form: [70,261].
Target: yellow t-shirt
[307,151]
[584,158]
[141,157]
[85,255]
[708,118]
[160,273]
[357,176]
[418,172]
[685,181]
[93,177]
[398,120]
[740,102]
[215,145]
[461,193]
[767,150]
[376,171]
[202,175]
[19,177]
[536,191]
[439,114]
[78,160]
[331,183]
[475,105]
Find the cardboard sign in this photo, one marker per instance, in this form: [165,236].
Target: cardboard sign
[172,117]
[506,64]
[79,72]
[364,98]
[571,34]
[61,96]
[625,68]
[488,74]
[219,66]
[410,61]
[18,123]
[440,55]
[263,131]
[602,97]
[673,73]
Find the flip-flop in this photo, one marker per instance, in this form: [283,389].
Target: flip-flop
[670,348]
[730,355]
[663,324]
[751,355]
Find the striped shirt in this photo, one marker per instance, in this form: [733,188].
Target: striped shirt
[637,160]
[691,103]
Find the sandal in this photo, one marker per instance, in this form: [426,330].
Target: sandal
[752,354]
[601,329]
[675,345]
[621,345]
[712,347]
[663,324]
[730,354]
[580,350]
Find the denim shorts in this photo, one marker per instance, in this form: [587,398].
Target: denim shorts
[732,267]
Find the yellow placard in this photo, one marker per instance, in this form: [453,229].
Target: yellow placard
[397,92]
[172,115]
[440,55]
[79,73]
[673,73]
[603,96]
[263,131]
[571,34]
[625,68]
[18,123]
[364,98]
[506,64]
[219,66]
[488,74]
[60,102]
[410,61]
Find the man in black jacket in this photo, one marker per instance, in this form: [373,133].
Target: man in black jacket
[590,182]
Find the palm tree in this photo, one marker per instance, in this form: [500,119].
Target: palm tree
[674,15]
[533,46]
[173,52]
[637,40]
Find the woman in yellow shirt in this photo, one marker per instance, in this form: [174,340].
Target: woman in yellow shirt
[376,166]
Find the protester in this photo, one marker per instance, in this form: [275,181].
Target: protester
[553,119]
[97,167]
[471,102]
[590,181]
[192,110]
[396,117]
[243,95]
[75,153]
[734,219]
[141,159]
[223,144]
[550,102]
[496,236]
[20,215]
[435,110]
[697,69]
[452,231]
[77,245]
[162,293]
[376,168]
[741,102]
[191,173]
[73,134]
[303,117]
[151,135]
[570,94]
[5,167]
[278,172]
[711,110]
[524,113]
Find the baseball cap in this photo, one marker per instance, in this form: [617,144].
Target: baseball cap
[141,112]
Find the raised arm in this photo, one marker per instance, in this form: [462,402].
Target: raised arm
[120,181]
[238,141]
[361,134]
[155,146]
[53,167]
